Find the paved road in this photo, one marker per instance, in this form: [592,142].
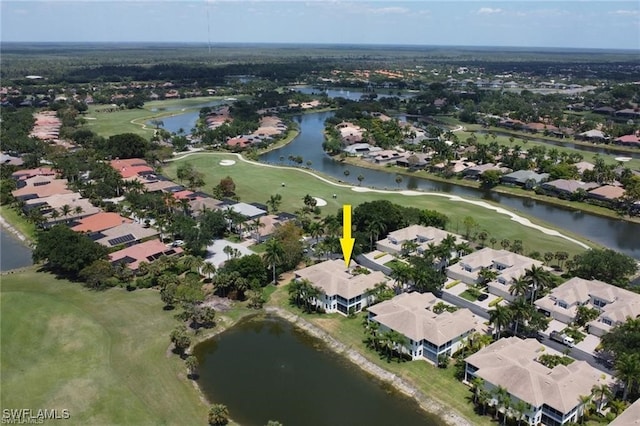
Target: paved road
[577,354]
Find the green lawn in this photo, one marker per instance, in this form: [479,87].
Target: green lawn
[438,384]
[18,221]
[256,182]
[101,355]
[132,120]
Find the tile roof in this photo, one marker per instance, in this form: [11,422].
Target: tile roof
[100,222]
[334,279]
[410,315]
[143,252]
[512,363]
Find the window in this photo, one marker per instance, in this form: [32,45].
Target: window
[607,321]
[599,303]
[562,305]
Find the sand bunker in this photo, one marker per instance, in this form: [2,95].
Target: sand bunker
[227,162]
[623,159]
[320,202]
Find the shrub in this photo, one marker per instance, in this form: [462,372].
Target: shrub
[452,284]
[495,302]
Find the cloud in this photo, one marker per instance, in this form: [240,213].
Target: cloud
[388,10]
[488,11]
[625,12]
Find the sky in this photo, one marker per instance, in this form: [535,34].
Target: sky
[570,23]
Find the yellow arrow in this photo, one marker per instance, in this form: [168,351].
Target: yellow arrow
[346,242]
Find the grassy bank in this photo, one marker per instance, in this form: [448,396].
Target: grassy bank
[102,355]
[501,189]
[19,222]
[256,182]
[133,120]
[438,384]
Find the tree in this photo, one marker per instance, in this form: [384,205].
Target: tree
[601,392]
[67,252]
[398,180]
[585,314]
[627,370]
[218,415]
[97,274]
[521,312]
[360,179]
[493,241]
[303,294]
[226,188]
[519,287]
[505,244]
[469,225]
[548,257]
[539,279]
[274,202]
[561,256]
[191,362]
[500,317]
[208,269]
[605,265]
[274,253]
[490,178]
[125,145]
[180,339]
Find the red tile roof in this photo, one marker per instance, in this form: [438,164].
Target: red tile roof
[131,167]
[27,173]
[143,252]
[100,222]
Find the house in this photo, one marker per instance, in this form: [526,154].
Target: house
[614,303]
[414,160]
[343,290]
[248,210]
[628,113]
[568,187]
[124,234]
[508,266]
[583,166]
[10,160]
[79,207]
[475,172]
[553,394]
[525,178]
[629,140]
[40,187]
[28,173]
[99,222]
[422,236]
[361,148]
[144,252]
[593,135]
[386,156]
[629,417]
[429,335]
[604,110]
[199,205]
[131,167]
[608,193]
[269,224]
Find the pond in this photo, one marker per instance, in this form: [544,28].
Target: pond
[265,369]
[617,234]
[13,252]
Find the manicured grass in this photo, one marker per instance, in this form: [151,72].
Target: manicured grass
[256,182]
[439,384]
[101,355]
[132,120]
[468,295]
[18,221]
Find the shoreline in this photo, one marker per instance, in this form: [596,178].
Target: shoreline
[501,189]
[5,225]
[425,402]
[525,221]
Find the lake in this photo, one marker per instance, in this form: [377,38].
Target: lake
[265,369]
[13,252]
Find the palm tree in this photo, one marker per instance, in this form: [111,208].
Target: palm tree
[627,369]
[585,400]
[493,241]
[520,408]
[617,406]
[477,383]
[503,401]
[401,273]
[78,210]
[192,262]
[500,317]
[398,180]
[375,227]
[360,179]
[505,244]
[561,256]
[208,269]
[65,210]
[521,312]
[519,287]
[601,392]
[539,279]
[218,415]
[274,254]
[316,230]
[256,224]
[274,202]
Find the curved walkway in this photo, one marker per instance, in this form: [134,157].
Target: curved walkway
[428,404]
[515,217]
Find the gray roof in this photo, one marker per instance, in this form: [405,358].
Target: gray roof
[522,176]
[248,210]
